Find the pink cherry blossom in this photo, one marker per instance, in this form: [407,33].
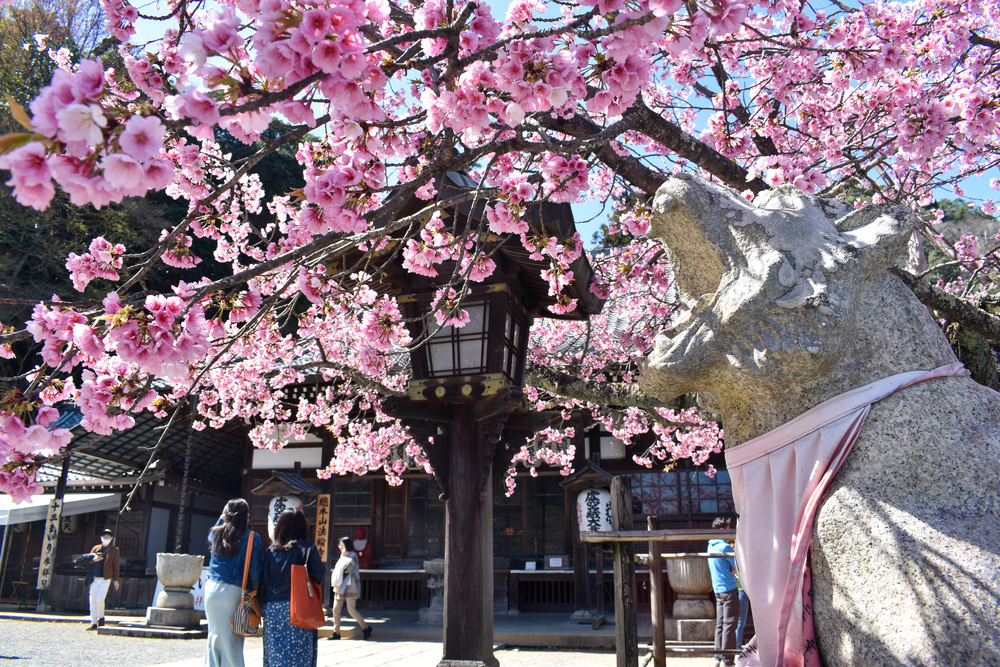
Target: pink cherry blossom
[426,140]
[81,127]
[30,175]
[142,138]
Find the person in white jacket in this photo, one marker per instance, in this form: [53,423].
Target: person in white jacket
[346,584]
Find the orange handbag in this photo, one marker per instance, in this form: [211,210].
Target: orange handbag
[307,600]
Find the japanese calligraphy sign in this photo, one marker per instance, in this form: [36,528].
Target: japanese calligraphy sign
[68,525]
[593,509]
[46,565]
[322,523]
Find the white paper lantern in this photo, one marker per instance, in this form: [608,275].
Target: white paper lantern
[593,509]
[278,505]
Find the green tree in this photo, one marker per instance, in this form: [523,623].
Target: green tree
[24,27]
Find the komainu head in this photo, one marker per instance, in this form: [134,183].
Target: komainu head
[768,289]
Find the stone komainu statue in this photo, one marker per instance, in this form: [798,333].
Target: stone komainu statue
[788,310]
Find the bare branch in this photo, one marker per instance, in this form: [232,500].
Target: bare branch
[952,307]
[607,394]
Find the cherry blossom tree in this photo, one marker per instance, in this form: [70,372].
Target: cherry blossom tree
[565,102]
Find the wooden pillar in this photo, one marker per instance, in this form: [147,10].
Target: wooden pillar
[626,620]
[656,597]
[183,514]
[468,569]
[599,582]
[581,576]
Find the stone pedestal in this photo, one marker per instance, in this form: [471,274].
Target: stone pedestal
[173,618]
[174,606]
[692,582]
[689,629]
[433,614]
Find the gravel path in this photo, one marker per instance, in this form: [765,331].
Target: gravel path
[52,644]
[48,644]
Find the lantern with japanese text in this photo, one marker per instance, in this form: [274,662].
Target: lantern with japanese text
[593,510]
[278,505]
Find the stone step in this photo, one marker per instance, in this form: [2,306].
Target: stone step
[140,629]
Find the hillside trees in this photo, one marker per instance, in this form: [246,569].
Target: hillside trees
[599,100]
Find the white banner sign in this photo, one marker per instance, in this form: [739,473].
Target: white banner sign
[47,563]
[198,590]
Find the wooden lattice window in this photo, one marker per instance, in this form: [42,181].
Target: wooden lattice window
[352,501]
[683,493]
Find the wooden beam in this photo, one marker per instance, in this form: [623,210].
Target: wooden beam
[646,559]
[656,610]
[626,617]
[406,408]
[504,401]
[663,535]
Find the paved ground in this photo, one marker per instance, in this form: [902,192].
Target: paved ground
[26,643]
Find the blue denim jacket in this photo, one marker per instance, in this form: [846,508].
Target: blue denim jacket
[230,570]
[276,580]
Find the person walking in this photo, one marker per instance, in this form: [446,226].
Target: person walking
[727,600]
[104,570]
[228,544]
[286,645]
[346,584]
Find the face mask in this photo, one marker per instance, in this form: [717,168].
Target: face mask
[105,541]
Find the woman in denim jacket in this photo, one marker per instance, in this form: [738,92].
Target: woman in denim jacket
[228,543]
[286,645]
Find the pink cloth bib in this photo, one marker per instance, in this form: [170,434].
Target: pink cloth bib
[778,480]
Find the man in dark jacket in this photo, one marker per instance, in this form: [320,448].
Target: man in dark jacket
[104,567]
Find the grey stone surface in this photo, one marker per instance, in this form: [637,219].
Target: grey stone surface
[178,570]
[789,304]
[692,582]
[175,598]
[433,613]
[176,618]
[696,607]
[690,629]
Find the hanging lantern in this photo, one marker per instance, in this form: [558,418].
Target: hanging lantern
[477,359]
[593,510]
[67,525]
[278,505]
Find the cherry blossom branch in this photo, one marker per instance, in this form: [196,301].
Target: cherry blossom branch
[611,394]
[980,40]
[250,163]
[951,307]
[357,376]
[631,169]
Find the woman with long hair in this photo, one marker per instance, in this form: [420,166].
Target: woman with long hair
[286,645]
[346,584]
[228,544]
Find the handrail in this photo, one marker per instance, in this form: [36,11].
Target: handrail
[644,559]
[661,535]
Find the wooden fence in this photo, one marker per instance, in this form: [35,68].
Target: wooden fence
[623,541]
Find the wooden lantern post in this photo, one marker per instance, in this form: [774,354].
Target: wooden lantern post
[464,403]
